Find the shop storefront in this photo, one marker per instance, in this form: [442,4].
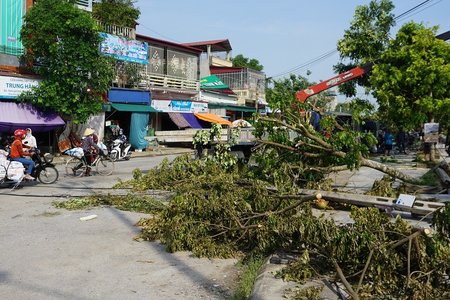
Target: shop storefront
[15,115]
[131,111]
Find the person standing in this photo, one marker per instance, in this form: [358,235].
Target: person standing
[17,153]
[388,142]
[447,141]
[401,141]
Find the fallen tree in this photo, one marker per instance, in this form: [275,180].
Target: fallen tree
[321,152]
[218,212]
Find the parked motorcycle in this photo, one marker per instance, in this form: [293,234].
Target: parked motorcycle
[44,170]
[120,148]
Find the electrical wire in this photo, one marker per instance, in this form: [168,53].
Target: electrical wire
[412,9]
[431,5]
[308,63]
[161,35]
[410,12]
[400,17]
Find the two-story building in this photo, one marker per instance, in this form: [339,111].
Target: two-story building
[159,85]
[16,78]
[248,85]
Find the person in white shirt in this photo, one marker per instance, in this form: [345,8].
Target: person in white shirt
[29,142]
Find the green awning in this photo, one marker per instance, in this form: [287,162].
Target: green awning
[232,107]
[133,107]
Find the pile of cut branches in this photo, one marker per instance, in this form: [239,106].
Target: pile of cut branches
[218,213]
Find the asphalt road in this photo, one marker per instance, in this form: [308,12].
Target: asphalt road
[49,253]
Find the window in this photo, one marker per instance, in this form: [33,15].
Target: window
[182,65]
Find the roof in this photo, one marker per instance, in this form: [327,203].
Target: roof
[216,45]
[220,70]
[232,107]
[152,40]
[444,36]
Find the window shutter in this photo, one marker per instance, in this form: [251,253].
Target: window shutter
[85,5]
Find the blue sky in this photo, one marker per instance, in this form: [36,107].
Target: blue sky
[282,35]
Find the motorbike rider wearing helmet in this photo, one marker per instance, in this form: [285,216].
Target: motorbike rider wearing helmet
[17,153]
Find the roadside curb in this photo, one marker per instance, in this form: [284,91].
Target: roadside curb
[151,152]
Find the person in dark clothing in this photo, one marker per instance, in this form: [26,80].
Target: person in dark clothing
[401,141]
[447,141]
[89,149]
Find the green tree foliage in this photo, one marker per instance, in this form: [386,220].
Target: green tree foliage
[64,43]
[365,40]
[117,12]
[306,150]
[361,109]
[216,212]
[294,152]
[244,62]
[282,93]
[412,78]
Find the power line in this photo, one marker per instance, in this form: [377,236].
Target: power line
[431,5]
[412,9]
[308,63]
[161,35]
[405,15]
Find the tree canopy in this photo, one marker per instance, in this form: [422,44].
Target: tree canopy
[411,79]
[64,44]
[364,41]
[245,62]
[117,12]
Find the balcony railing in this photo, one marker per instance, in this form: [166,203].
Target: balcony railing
[165,81]
[127,32]
[138,76]
[245,79]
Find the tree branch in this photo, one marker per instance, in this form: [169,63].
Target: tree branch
[344,281]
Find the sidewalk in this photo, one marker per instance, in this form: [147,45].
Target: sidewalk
[61,159]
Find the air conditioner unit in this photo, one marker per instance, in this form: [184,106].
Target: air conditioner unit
[85,5]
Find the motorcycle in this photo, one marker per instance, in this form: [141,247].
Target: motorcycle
[45,171]
[120,149]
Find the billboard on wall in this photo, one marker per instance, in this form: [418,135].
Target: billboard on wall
[431,132]
[181,106]
[12,87]
[124,49]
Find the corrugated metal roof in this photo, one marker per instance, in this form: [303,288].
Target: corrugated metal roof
[216,45]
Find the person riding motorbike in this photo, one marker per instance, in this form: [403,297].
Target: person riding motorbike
[29,142]
[18,154]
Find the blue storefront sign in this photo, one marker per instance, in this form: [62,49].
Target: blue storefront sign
[181,105]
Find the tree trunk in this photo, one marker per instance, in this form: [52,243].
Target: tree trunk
[389,171]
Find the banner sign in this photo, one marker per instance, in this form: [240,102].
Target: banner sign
[212,82]
[431,132]
[12,87]
[179,106]
[124,49]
